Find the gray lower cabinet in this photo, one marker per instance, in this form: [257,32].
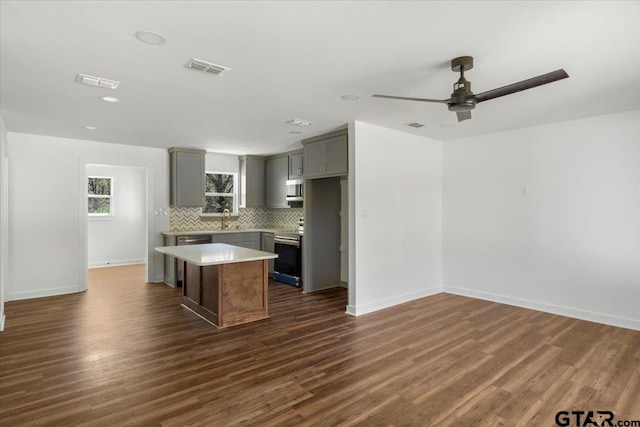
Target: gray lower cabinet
[170,264]
[326,155]
[186,187]
[277,175]
[268,245]
[250,239]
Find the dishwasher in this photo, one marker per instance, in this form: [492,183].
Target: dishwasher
[188,240]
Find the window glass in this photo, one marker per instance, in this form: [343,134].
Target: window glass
[99,192]
[220,193]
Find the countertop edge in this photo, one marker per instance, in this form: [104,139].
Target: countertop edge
[192,258]
[232,231]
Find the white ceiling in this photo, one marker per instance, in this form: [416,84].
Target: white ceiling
[295,59]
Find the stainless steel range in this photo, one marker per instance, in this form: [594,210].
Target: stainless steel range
[288,266]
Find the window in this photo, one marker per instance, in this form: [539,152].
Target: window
[220,193]
[99,192]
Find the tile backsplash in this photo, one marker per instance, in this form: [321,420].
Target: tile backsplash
[188,219]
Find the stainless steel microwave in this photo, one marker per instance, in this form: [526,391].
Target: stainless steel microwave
[294,190]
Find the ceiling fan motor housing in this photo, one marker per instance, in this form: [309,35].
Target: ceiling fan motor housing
[462,98]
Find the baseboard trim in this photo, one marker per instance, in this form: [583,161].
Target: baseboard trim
[51,292]
[589,316]
[158,279]
[390,302]
[118,263]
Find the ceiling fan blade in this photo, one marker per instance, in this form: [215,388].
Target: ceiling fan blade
[463,115]
[441,101]
[523,85]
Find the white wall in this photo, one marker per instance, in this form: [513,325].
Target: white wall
[396,229]
[120,239]
[548,218]
[4,219]
[214,162]
[47,210]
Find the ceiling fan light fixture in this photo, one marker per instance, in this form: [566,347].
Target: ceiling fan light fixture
[464,106]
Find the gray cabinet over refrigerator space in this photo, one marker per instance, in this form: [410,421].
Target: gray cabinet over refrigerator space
[326,155]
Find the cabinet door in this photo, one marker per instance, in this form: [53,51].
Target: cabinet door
[313,159]
[295,166]
[253,182]
[268,245]
[170,264]
[336,155]
[187,178]
[277,174]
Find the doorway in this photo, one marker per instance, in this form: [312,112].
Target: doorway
[117,215]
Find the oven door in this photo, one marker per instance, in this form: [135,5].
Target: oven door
[289,259]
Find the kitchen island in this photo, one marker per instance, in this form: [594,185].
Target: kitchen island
[224,284]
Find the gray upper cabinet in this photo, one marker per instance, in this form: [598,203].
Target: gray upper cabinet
[252,182]
[326,155]
[187,177]
[296,169]
[277,174]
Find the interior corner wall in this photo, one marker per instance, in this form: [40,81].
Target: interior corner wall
[47,205]
[4,223]
[548,218]
[119,239]
[397,207]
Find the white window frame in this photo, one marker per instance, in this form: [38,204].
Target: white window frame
[234,195]
[110,197]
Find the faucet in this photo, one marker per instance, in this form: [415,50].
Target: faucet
[225,214]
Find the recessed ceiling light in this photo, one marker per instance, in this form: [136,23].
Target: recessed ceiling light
[295,132]
[349,97]
[109,99]
[89,127]
[416,125]
[151,37]
[298,122]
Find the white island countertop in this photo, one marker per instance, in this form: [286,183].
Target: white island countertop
[214,254]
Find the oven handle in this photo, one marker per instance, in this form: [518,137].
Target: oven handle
[289,242]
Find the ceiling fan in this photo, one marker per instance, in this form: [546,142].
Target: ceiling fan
[462,100]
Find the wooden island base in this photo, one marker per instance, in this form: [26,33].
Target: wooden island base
[227,294]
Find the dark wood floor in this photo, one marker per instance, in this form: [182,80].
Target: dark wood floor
[126,353]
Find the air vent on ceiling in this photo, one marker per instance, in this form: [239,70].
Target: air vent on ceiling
[97,81]
[207,67]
